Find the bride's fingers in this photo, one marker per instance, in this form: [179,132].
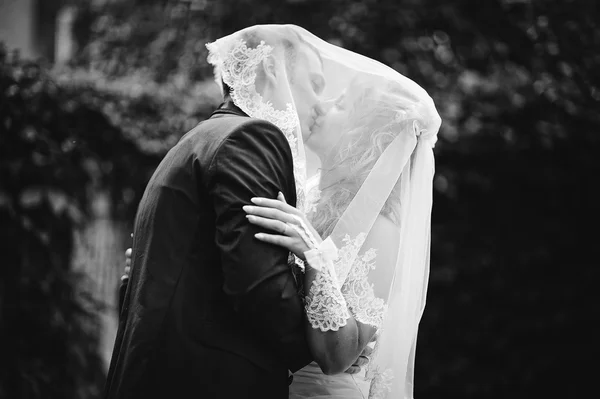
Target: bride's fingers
[361,361]
[270,213]
[281,197]
[282,241]
[272,224]
[128,257]
[275,203]
[353,370]
[367,351]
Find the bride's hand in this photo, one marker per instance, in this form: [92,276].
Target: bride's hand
[278,216]
[127,264]
[363,359]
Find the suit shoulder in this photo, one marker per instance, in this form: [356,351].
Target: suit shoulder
[259,128]
[261,135]
[212,136]
[217,130]
[239,129]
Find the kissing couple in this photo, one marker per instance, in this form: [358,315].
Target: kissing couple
[250,280]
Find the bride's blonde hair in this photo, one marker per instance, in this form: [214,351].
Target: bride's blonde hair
[373,125]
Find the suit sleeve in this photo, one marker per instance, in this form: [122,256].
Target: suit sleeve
[256,161]
[122,291]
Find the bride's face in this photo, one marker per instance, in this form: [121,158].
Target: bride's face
[330,127]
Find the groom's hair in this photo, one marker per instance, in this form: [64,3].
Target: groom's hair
[290,50]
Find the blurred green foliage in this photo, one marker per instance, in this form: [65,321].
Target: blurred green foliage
[517,83]
[48,326]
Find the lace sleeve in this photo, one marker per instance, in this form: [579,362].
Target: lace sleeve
[355,269]
[326,308]
[359,293]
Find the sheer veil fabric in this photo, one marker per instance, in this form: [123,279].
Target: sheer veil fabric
[386,146]
[238,61]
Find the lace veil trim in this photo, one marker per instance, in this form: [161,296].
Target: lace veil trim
[237,69]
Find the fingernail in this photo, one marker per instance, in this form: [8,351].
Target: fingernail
[255,200]
[258,235]
[246,208]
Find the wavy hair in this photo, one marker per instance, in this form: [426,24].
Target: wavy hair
[373,125]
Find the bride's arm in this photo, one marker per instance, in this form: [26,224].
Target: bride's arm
[334,342]
[337,331]
[334,350]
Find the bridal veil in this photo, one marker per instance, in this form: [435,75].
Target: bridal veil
[399,121]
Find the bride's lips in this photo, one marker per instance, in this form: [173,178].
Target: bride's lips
[318,121]
[318,113]
[314,126]
[313,121]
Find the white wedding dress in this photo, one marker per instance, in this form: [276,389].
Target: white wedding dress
[310,382]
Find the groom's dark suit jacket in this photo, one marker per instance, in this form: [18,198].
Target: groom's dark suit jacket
[210,312]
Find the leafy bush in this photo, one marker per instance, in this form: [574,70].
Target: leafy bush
[48,327]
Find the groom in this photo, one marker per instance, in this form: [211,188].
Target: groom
[211,312]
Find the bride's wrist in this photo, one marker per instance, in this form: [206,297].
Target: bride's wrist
[319,256]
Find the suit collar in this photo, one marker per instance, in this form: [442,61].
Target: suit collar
[228,108]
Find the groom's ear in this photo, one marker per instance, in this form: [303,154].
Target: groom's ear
[269,69]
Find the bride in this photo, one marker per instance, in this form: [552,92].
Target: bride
[361,237]
[369,143]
